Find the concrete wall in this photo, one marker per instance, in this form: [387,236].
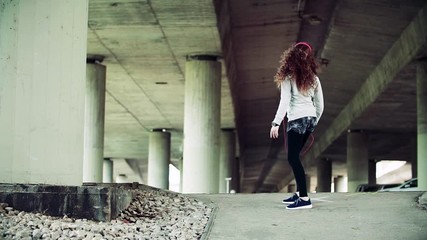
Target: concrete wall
[101,202]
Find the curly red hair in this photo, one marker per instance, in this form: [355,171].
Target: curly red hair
[298,63]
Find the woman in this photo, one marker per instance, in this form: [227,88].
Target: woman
[301,98]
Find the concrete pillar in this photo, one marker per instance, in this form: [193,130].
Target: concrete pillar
[42,91]
[226,159]
[181,164]
[372,171]
[94,121]
[159,158]
[422,125]
[107,171]
[339,184]
[201,124]
[308,182]
[413,157]
[357,159]
[122,178]
[292,188]
[236,174]
[324,175]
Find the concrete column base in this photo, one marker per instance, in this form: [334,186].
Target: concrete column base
[292,188]
[107,171]
[357,159]
[324,175]
[422,125]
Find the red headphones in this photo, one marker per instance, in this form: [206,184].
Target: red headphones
[303,43]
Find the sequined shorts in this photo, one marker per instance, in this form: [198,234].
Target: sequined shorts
[302,125]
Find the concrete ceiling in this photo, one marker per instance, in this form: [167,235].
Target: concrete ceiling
[145,44]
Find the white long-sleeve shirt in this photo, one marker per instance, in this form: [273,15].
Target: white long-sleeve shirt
[297,105]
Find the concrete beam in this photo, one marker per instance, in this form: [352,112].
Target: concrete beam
[406,47]
[224,28]
[316,33]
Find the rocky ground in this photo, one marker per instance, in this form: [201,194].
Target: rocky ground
[151,215]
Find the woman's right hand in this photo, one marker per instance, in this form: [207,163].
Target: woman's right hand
[274,132]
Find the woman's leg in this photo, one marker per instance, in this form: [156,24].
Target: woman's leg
[296,142]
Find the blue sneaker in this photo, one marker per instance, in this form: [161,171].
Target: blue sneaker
[291,199]
[300,204]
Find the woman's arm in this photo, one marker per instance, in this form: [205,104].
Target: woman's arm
[318,100]
[285,99]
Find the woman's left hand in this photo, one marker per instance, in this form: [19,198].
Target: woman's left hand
[274,132]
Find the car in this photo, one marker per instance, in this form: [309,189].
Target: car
[374,187]
[410,185]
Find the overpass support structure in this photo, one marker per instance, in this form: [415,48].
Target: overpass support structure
[201,124]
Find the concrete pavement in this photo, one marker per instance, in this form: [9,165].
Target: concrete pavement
[388,215]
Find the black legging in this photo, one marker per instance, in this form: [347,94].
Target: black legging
[296,142]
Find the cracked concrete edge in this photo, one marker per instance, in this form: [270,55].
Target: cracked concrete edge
[208,228]
[422,201]
[209,225]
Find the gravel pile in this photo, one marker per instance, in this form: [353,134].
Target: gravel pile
[151,215]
